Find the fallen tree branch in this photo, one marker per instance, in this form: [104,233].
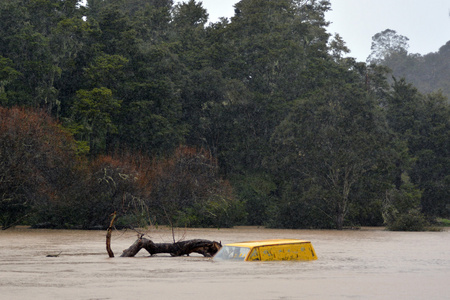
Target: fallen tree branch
[108,235]
[14,223]
[205,247]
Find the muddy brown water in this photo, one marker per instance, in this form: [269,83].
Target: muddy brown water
[369,263]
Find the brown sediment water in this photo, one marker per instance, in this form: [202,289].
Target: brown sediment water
[369,263]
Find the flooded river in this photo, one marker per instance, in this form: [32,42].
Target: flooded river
[359,264]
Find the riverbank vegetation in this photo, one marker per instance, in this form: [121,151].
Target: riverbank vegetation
[145,109]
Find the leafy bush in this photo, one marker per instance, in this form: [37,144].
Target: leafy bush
[443,222]
[401,211]
[413,220]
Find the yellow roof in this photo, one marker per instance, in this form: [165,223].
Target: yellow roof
[251,244]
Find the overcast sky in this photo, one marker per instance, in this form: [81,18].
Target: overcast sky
[425,22]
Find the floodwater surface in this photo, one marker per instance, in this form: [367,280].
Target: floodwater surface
[369,263]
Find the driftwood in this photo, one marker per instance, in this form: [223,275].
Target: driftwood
[108,235]
[205,247]
[54,255]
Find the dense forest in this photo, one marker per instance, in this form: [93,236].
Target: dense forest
[143,108]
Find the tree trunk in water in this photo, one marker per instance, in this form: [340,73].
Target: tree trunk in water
[108,235]
[340,221]
[205,247]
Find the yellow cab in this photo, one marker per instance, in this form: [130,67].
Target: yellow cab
[267,250]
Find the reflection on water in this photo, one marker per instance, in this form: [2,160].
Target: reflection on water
[360,264]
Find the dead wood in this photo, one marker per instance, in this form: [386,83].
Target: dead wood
[108,235]
[54,255]
[205,247]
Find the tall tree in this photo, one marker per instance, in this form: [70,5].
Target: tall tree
[423,122]
[150,120]
[7,75]
[93,113]
[32,39]
[331,143]
[387,43]
[274,50]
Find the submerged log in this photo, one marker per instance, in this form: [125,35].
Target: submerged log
[205,247]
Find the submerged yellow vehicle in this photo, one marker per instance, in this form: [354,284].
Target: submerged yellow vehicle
[267,250]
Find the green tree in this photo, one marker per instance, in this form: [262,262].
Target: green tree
[74,47]
[431,148]
[106,71]
[117,35]
[151,112]
[29,39]
[387,43]
[331,143]
[423,122]
[7,75]
[31,53]
[401,209]
[189,14]
[93,116]
[269,54]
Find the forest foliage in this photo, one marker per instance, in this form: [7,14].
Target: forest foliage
[144,108]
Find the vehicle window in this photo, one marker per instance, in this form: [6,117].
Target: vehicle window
[232,253]
[254,255]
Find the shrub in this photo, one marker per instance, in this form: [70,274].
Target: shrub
[413,220]
[401,211]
